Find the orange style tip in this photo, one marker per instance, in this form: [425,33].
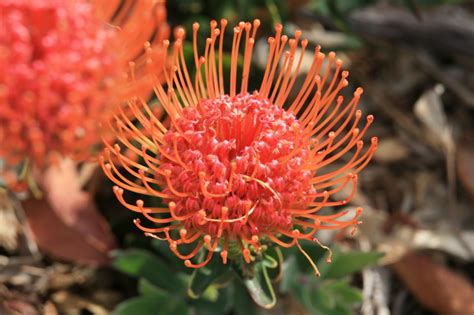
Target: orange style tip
[140,203]
[224,255]
[167,172]
[328,260]
[278,27]
[332,55]
[339,62]
[331,134]
[255,238]
[359,91]
[173,245]
[207,238]
[217,32]
[295,233]
[256,23]
[374,140]
[270,40]
[137,221]
[213,23]
[224,22]
[246,254]
[236,30]
[131,64]
[370,118]
[172,205]
[345,74]
[115,189]
[183,233]
[224,210]
[284,39]
[241,24]
[179,32]
[187,263]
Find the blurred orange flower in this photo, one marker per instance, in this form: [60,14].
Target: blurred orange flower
[63,64]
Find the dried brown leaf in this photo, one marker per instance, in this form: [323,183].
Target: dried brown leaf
[435,286]
[465,165]
[66,222]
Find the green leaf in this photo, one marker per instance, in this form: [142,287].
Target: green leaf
[202,278]
[343,292]
[344,264]
[145,287]
[222,305]
[151,305]
[243,305]
[141,263]
[260,287]
[290,274]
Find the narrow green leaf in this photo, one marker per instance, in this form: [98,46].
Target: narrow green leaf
[344,264]
[141,263]
[243,304]
[145,287]
[150,305]
[202,278]
[260,287]
[344,293]
[290,274]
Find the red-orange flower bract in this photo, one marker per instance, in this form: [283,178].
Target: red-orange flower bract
[60,61]
[241,169]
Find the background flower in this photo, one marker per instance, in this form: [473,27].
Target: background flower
[63,65]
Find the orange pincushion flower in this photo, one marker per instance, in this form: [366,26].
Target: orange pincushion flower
[241,168]
[60,61]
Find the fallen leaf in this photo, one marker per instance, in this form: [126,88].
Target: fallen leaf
[465,166]
[435,286]
[66,222]
[390,150]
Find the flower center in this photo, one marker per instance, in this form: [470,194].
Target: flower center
[234,164]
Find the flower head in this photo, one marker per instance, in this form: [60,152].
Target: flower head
[239,168]
[60,61]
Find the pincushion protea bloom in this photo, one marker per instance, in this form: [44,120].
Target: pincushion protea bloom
[238,168]
[60,61]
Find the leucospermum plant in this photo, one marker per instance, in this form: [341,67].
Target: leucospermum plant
[62,65]
[236,170]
